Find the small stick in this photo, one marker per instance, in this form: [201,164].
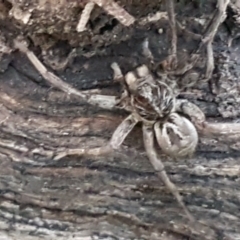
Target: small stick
[153,18]
[85,16]
[116,11]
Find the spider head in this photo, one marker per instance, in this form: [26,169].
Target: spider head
[151,99]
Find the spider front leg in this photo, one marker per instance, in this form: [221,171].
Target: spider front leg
[115,142]
[157,164]
[105,102]
[230,131]
[172,24]
[192,111]
[195,114]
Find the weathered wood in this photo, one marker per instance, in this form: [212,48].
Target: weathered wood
[117,196]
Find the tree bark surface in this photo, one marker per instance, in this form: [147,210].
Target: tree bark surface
[116,196]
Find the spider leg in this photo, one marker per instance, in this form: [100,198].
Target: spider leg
[207,38]
[157,164]
[218,17]
[103,101]
[115,142]
[230,131]
[172,23]
[191,110]
[210,61]
[117,72]
[147,52]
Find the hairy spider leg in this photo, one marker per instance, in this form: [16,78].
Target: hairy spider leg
[172,25]
[115,142]
[191,110]
[148,137]
[230,131]
[103,101]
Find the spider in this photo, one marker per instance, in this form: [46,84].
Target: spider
[152,101]
[175,123]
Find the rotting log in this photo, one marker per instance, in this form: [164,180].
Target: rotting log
[117,196]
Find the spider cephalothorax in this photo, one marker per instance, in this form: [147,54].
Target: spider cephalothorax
[152,102]
[150,99]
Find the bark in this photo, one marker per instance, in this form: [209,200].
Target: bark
[117,196]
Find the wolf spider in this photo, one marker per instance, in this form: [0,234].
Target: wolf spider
[173,122]
[150,100]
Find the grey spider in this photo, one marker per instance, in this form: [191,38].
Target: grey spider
[173,122]
[152,102]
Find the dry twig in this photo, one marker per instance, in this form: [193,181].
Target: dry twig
[85,16]
[115,10]
[153,18]
[110,7]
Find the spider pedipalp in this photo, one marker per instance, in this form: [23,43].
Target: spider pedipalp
[177,137]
